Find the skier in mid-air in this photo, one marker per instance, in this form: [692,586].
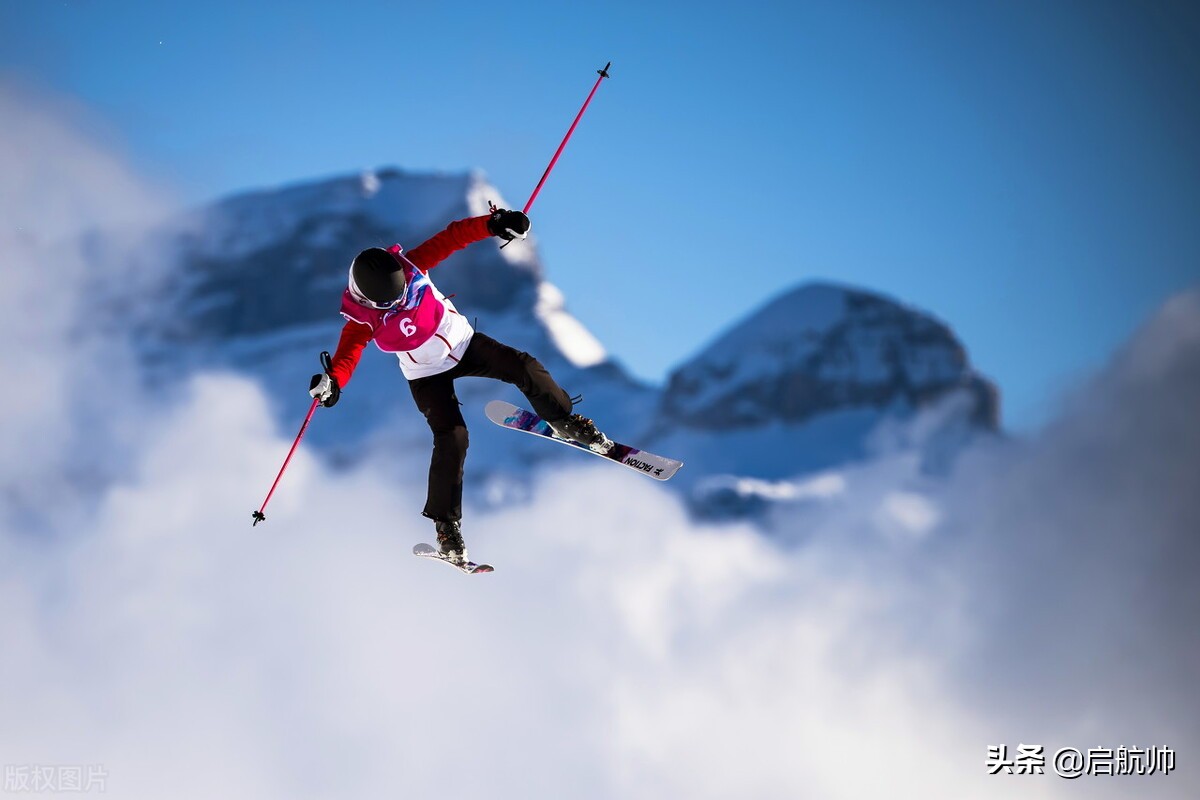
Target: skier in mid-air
[391,300]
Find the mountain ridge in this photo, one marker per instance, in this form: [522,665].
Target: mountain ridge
[822,346]
[256,284]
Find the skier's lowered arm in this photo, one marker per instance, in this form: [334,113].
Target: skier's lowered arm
[355,337]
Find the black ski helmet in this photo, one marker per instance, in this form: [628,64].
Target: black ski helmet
[376,277]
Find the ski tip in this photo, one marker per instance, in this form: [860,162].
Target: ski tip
[664,473]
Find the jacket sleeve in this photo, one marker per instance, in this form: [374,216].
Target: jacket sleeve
[355,336]
[456,236]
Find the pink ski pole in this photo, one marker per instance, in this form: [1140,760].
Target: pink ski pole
[259,516]
[558,152]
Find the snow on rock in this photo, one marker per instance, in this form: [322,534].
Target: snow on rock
[370,184]
[823,348]
[481,198]
[576,342]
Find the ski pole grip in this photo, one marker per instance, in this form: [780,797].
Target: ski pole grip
[326,361]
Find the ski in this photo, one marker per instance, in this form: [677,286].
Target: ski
[506,415]
[467,567]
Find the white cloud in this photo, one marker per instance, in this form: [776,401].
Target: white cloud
[907,514]
[1083,547]
[58,179]
[57,182]
[631,655]
[313,654]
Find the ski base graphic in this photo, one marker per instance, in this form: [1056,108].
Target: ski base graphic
[506,415]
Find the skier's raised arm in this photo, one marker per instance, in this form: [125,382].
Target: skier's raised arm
[505,224]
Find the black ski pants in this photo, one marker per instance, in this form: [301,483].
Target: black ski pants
[435,397]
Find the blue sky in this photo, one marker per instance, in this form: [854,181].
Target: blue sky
[1026,171]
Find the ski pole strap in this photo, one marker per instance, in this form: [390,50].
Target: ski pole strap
[603,74]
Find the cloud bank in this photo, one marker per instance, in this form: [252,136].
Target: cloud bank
[56,183]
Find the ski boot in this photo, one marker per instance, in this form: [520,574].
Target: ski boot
[577,428]
[450,541]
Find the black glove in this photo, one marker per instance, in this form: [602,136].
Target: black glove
[508,225]
[325,388]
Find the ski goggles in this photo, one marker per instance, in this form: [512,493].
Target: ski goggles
[362,299]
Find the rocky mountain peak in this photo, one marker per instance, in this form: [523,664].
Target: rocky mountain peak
[819,348]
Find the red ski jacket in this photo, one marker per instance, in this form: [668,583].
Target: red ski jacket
[425,257]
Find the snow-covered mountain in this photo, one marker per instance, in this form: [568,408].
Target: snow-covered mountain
[820,376]
[819,349]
